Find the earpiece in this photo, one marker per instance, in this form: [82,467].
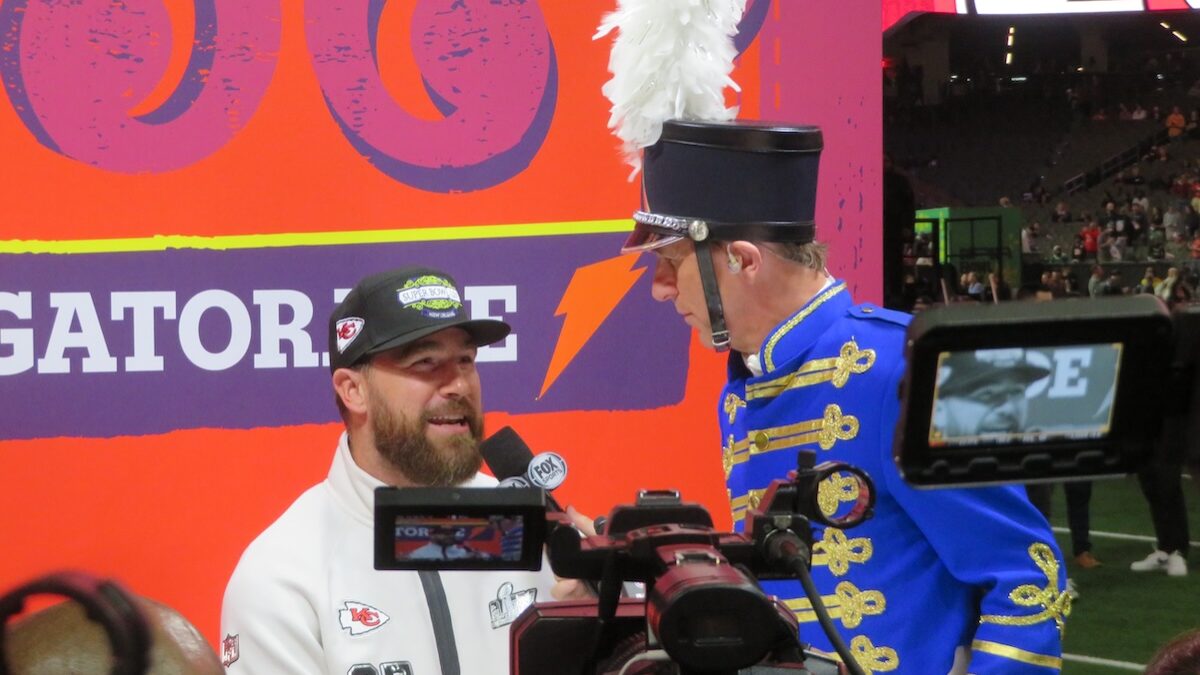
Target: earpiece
[735,265]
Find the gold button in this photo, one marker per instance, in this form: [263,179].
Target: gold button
[761,441]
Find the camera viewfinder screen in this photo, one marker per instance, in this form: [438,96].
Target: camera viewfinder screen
[1024,395]
[459,537]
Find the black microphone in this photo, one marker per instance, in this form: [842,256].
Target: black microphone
[514,464]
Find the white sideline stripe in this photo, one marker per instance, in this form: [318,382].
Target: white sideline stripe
[1116,535]
[1097,661]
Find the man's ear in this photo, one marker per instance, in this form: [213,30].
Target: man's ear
[748,255]
[350,387]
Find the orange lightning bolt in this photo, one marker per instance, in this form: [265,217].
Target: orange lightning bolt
[594,292]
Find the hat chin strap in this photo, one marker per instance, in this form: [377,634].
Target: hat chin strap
[712,297]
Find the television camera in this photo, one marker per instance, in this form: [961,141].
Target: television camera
[703,612]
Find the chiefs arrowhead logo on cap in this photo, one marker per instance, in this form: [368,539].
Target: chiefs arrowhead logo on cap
[348,329]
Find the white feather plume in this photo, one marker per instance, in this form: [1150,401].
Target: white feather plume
[671,59]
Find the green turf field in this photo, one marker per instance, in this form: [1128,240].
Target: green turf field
[1125,616]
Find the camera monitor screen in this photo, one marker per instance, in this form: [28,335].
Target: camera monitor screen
[457,537]
[1018,395]
[459,528]
[1032,391]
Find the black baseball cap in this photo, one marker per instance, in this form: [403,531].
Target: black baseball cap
[968,372]
[394,308]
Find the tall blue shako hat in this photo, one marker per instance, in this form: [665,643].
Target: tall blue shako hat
[705,176]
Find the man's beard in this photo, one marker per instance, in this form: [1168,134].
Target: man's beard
[404,444]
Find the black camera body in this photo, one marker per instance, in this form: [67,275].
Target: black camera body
[703,608]
[1087,368]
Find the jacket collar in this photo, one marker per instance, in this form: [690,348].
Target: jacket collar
[356,488]
[801,330]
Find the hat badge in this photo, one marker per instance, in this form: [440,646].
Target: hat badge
[347,330]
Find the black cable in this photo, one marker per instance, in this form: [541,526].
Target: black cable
[835,638]
[785,547]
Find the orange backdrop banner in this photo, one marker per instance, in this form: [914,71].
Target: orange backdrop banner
[189,186]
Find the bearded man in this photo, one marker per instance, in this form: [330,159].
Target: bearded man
[305,597]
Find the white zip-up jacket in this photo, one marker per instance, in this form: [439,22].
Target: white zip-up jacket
[305,597]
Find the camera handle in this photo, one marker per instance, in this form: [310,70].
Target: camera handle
[608,593]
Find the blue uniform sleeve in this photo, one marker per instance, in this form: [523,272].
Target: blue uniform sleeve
[994,540]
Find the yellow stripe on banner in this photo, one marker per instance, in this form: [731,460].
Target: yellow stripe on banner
[162,242]
[1010,652]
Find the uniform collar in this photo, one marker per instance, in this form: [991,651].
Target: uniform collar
[801,330]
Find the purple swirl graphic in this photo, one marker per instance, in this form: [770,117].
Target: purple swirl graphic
[487,65]
[73,70]
[751,23]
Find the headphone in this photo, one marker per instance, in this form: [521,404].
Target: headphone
[735,264]
[104,601]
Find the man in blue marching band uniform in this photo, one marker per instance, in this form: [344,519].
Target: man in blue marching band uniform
[940,581]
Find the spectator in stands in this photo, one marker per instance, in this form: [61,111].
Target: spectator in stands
[1058,255]
[1091,239]
[1124,113]
[1173,221]
[1056,285]
[974,286]
[1193,124]
[1194,252]
[1191,220]
[1157,250]
[1140,198]
[1138,223]
[1061,214]
[1005,203]
[1176,124]
[1029,237]
[1138,113]
[1108,245]
[1096,282]
[1177,249]
[1077,252]
[1115,285]
[1148,282]
[1070,282]
[1165,289]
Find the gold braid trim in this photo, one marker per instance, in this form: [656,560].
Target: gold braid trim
[848,603]
[769,350]
[837,370]
[1055,606]
[833,426]
[873,659]
[732,403]
[837,551]
[1010,652]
